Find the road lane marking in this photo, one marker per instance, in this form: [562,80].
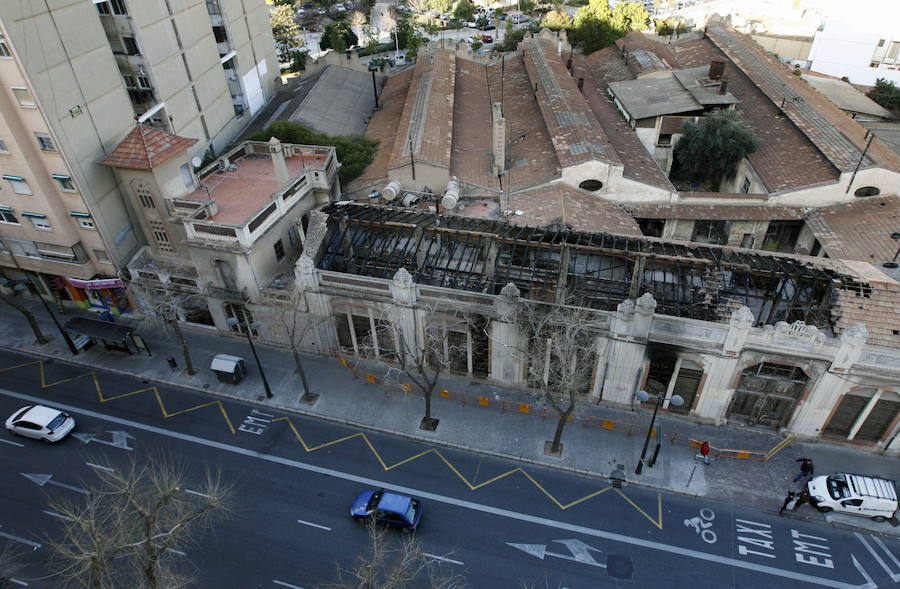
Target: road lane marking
[11,443]
[42,479]
[59,515]
[197,493]
[305,523]
[18,582]
[100,466]
[288,585]
[894,576]
[442,558]
[461,503]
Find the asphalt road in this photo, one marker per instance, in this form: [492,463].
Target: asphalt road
[500,523]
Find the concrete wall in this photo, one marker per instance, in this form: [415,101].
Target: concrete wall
[886,181]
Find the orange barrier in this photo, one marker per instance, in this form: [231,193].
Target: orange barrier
[585,420]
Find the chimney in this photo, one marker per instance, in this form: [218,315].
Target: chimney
[716,68]
[277,155]
[498,136]
[723,85]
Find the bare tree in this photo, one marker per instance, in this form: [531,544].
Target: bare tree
[39,337]
[558,348]
[12,564]
[424,356]
[357,20]
[418,7]
[128,530]
[391,563]
[296,327]
[168,305]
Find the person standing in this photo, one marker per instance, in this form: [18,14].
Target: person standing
[802,498]
[806,468]
[787,501]
[704,452]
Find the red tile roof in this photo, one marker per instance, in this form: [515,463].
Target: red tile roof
[145,148]
[858,230]
[560,203]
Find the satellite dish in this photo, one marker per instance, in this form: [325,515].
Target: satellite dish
[196,161]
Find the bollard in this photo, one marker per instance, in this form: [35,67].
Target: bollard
[172,363]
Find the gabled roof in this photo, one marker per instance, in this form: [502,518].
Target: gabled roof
[837,136]
[858,230]
[845,96]
[145,148]
[561,204]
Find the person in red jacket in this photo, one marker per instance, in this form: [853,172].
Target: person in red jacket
[704,452]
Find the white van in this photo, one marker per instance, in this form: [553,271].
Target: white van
[854,493]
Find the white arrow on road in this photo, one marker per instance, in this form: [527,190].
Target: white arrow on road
[43,479]
[580,551]
[119,439]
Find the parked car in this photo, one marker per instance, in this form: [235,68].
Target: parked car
[472,24]
[487,39]
[41,423]
[488,28]
[869,496]
[519,18]
[384,507]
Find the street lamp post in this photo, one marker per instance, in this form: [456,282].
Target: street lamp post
[232,321]
[660,399]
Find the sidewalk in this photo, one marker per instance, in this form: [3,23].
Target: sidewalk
[591,451]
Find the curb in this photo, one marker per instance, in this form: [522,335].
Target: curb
[413,437]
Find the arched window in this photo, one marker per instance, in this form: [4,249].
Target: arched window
[867,191]
[592,185]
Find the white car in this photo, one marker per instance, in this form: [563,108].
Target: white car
[41,423]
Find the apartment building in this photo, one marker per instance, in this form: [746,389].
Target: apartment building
[77,75]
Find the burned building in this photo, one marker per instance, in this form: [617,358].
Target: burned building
[768,339]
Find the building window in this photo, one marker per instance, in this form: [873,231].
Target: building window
[279,250]
[102,257]
[145,196]
[4,50]
[8,217]
[41,223]
[186,176]
[129,80]
[65,182]
[130,44]
[864,415]
[86,223]
[161,236]
[3,147]
[591,185]
[711,232]
[144,82]
[866,191]
[881,42]
[665,140]
[118,7]
[745,187]
[18,184]
[24,97]
[45,142]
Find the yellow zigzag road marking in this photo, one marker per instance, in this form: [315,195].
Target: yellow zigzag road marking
[104,399]
[472,486]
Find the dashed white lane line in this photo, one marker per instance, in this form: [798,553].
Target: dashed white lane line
[99,466]
[198,493]
[306,523]
[11,443]
[18,582]
[288,585]
[677,550]
[34,545]
[442,558]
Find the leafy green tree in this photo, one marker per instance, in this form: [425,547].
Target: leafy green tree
[886,93]
[285,31]
[441,6]
[526,6]
[512,39]
[592,34]
[556,20]
[711,149]
[355,152]
[629,16]
[476,43]
[338,36]
[464,10]
[596,10]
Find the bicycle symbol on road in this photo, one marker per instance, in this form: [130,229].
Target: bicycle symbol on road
[702,523]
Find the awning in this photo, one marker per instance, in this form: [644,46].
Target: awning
[99,329]
[78,214]
[5,209]
[60,176]
[33,214]
[13,178]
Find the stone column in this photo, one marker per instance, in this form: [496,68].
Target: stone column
[403,292]
[507,361]
[719,373]
[323,336]
[627,349]
[810,417]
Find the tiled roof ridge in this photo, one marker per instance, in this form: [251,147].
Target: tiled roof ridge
[145,147]
[557,96]
[837,136]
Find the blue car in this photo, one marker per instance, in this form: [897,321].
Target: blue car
[384,507]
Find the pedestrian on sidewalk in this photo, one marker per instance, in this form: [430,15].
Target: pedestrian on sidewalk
[704,452]
[802,498]
[791,496]
[806,468]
